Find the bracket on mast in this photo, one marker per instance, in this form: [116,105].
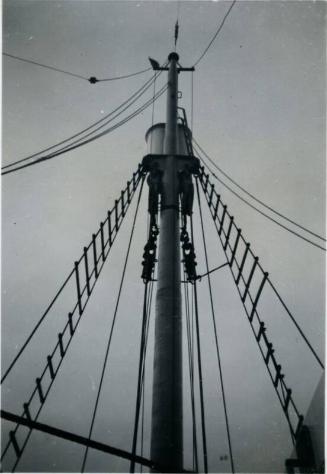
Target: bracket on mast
[156,66]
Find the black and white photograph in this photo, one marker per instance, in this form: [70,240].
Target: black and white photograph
[163,236]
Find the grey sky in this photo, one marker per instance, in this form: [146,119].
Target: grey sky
[259,109]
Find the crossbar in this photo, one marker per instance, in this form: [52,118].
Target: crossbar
[76,438]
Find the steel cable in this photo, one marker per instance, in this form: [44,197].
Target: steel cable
[132,98]
[21,350]
[203,424]
[191,373]
[115,78]
[111,129]
[216,34]
[253,197]
[45,66]
[215,332]
[140,373]
[258,210]
[125,76]
[314,353]
[113,324]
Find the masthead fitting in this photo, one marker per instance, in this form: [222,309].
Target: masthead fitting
[173,57]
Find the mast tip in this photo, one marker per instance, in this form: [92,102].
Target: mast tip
[173,56]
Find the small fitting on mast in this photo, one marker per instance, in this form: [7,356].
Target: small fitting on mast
[173,57]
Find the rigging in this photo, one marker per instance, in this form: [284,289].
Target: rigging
[91,79]
[216,34]
[130,99]
[259,211]
[253,197]
[85,142]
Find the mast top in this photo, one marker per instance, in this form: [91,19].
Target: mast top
[173,56]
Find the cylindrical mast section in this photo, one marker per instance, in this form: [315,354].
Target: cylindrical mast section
[167,410]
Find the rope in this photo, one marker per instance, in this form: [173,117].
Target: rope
[112,325]
[139,379]
[191,372]
[28,339]
[211,271]
[45,395]
[92,80]
[255,198]
[111,129]
[152,116]
[125,76]
[21,350]
[45,66]
[204,439]
[215,332]
[140,91]
[287,310]
[192,100]
[296,324]
[143,374]
[261,212]
[216,34]
[141,371]
[192,359]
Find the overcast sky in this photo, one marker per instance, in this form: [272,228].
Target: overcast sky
[259,110]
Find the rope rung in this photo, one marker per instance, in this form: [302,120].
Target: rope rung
[262,330]
[270,352]
[287,399]
[122,196]
[78,288]
[206,182]
[279,376]
[222,220]
[61,346]
[95,258]
[102,242]
[70,322]
[109,228]
[229,232]
[238,235]
[49,359]
[27,411]
[247,286]
[87,276]
[14,443]
[255,303]
[116,214]
[216,207]
[242,263]
[211,194]
[39,389]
